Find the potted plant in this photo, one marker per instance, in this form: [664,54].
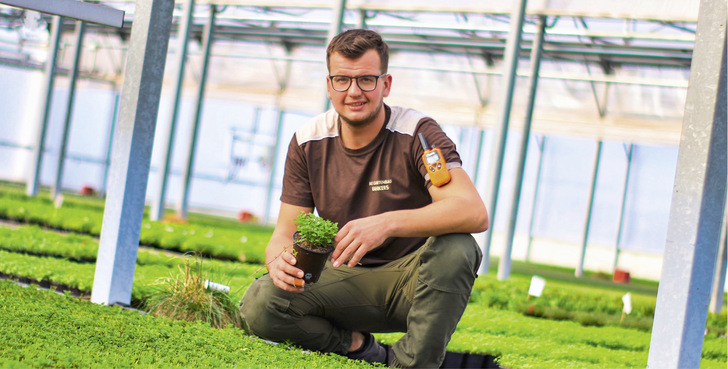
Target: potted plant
[313,242]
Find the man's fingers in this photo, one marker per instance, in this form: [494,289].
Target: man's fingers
[356,258]
[349,255]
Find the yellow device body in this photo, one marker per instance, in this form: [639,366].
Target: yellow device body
[436,167]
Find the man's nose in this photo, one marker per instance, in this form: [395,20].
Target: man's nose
[354,88]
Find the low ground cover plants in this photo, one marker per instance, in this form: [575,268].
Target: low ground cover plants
[560,300]
[584,326]
[244,242]
[42,329]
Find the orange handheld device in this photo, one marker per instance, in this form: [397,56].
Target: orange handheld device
[434,163]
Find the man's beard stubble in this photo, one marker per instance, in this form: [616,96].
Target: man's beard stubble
[366,121]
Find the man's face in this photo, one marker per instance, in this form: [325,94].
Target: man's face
[357,107]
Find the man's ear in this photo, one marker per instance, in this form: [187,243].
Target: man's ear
[387,85]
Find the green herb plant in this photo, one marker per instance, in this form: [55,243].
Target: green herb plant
[315,232]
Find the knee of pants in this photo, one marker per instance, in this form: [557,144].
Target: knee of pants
[451,262]
[264,307]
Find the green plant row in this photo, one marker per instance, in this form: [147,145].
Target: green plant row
[42,329]
[34,240]
[559,301]
[525,342]
[152,267]
[96,204]
[247,242]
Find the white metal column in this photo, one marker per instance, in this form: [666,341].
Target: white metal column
[129,172]
[697,202]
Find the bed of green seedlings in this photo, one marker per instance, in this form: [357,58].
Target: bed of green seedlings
[500,319]
[521,341]
[68,260]
[244,242]
[46,329]
[561,300]
[43,329]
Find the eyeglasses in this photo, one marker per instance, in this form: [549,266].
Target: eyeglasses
[366,83]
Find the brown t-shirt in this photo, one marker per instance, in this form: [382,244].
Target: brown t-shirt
[387,174]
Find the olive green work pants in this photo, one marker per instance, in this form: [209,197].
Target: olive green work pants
[423,294]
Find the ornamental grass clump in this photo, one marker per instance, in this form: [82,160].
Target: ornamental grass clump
[315,232]
[186,297]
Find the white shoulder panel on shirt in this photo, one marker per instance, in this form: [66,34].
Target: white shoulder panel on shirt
[319,127]
[404,120]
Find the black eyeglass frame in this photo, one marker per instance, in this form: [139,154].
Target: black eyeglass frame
[376,81]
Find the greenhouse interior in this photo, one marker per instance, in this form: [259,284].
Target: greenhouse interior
[569,117]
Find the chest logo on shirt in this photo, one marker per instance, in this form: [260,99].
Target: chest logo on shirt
[382,185]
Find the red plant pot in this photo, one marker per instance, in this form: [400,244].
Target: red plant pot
[621,276]
[88,191]
[246,216]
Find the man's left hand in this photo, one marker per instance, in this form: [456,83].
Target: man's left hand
[358,237]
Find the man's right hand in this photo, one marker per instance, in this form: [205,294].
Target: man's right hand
[285,274]
[281,263]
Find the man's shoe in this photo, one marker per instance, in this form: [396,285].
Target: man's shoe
[370,351]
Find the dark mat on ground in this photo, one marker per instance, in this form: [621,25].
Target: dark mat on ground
[469,360]
[455,360]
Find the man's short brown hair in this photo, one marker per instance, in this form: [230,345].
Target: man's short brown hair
[352,44]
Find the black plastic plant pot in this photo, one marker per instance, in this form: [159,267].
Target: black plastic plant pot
[310,261]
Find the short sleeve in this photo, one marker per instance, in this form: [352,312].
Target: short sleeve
[296,182]
[436,137]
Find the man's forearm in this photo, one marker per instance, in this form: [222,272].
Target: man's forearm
[452,215]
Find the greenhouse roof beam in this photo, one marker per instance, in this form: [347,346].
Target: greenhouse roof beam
[79,10]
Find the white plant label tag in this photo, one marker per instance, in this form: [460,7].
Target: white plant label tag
[627,300]
[212,286]
[537,285]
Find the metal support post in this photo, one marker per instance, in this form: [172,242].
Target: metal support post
[33,184]
[274,164]
[157,211]
[513,49]
[620,228]
[479,153]
[716,294]
[58,183]
[698,202]
[283,84]
[337,25]
[110,140]
[131,155]
[589,211]
[504,266]
[536,187]
[209,34]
